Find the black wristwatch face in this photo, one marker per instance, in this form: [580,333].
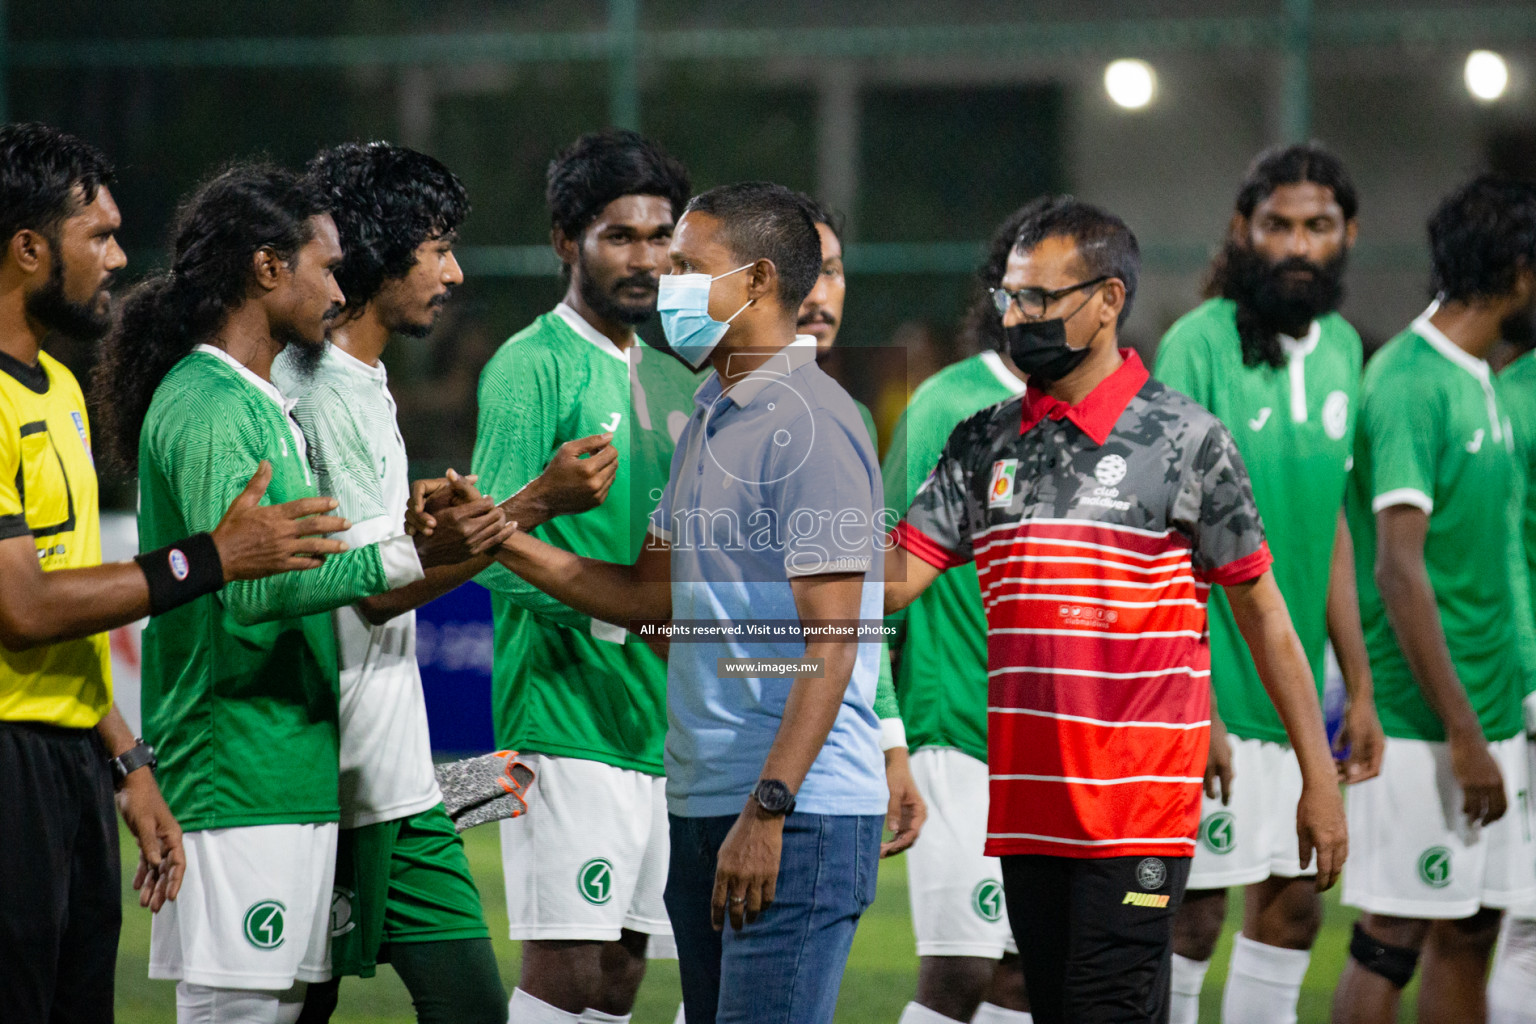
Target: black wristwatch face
[131,761]
[773,796]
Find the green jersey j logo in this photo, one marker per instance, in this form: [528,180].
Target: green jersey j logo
[595,881]
[264,924]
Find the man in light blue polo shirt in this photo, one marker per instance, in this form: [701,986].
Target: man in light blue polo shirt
[763,547]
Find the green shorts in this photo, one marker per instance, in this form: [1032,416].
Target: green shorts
[405,880]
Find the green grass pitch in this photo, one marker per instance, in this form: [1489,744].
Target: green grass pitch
[882,970]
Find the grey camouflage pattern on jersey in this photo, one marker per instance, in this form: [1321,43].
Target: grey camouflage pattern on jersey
[1167,464]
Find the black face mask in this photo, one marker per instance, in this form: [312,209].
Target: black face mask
[1039,348]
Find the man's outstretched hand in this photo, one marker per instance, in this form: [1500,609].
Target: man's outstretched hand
[256,540]
[456,522]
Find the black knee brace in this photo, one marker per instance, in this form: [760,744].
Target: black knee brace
[1395,963]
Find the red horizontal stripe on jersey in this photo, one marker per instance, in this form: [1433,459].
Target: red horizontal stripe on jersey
[1045,532]
[1091,816]
[1177,697]
[925,547]
[1022,744]
[1090,565]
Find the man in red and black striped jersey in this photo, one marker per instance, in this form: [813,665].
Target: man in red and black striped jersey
[1100,508]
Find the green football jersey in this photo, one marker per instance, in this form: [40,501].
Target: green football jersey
[1433,434]
[563,683]
[941,654]
[240,687]
[1518,395]
[1295,430]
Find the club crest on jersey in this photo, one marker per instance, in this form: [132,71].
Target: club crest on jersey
[1000,490]
[1336,415]
[1110,470]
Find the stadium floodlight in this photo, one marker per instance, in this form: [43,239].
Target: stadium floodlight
[1486,75]
[1130,83]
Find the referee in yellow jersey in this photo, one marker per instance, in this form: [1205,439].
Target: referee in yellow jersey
[64,747]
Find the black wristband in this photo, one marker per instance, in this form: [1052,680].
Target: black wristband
[181,572]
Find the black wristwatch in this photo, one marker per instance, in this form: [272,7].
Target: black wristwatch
[774,797]
[141,756]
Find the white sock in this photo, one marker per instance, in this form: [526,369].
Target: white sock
[917,1013]
[1512,986]
[523,1008]
[203,1004]
[591,1016]
[679,1018]
[991,1013]
[1263,983]
[1184,998]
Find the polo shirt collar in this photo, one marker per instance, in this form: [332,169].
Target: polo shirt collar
[266,387]
[349,363]
[1099,411]
[776,367]
[576,323]
[1448,348]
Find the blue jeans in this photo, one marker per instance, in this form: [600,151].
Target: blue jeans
[785,967]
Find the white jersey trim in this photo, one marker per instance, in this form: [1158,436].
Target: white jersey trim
[1106,602]
[1084,719]
[1161,840]
[1193,673]
[1005,376]
[1183,554]
[1145,570]
[599,340]
[1403,496]
[1182,780]
[1035,521]
[1165,634]
[401,563]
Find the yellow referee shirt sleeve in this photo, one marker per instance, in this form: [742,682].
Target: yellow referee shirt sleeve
[13,517]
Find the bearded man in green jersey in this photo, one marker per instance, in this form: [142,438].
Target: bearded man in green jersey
[1269,354]
[968,964]
[1442,838]
[583,703]
[240,687]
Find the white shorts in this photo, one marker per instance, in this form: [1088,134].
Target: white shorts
[254,910]
[590,857]
[956,890]
[1253,836]
[1411,851]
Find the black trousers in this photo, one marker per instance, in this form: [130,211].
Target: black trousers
[1095,935]
[60,878]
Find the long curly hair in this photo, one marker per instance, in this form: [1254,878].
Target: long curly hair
[386,201]
[218,229]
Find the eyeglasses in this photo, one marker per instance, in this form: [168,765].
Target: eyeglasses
[1033,302]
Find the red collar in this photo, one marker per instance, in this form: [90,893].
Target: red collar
[1099,410]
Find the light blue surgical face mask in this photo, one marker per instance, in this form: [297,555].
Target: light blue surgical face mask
[683,302]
